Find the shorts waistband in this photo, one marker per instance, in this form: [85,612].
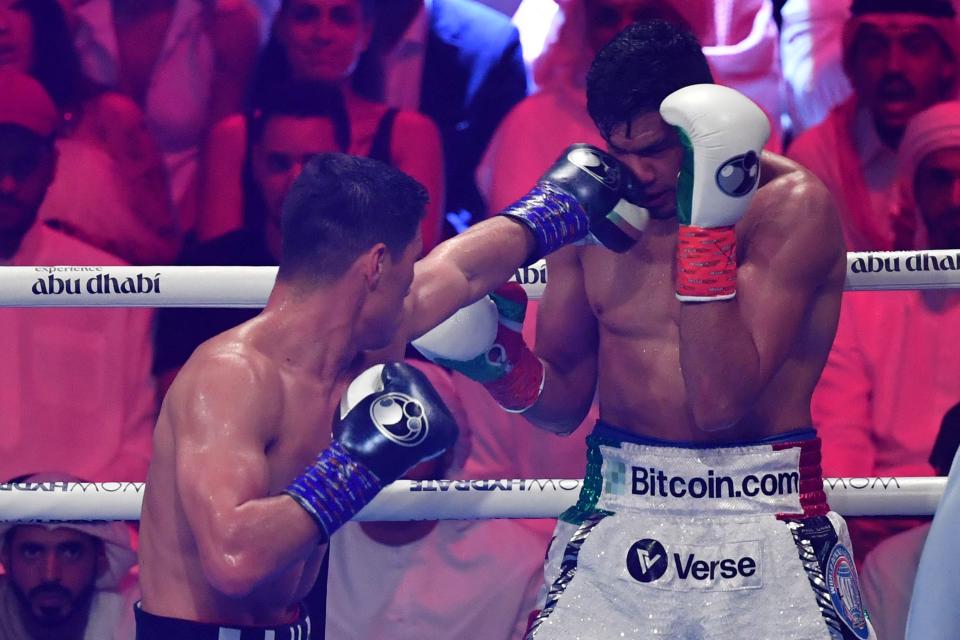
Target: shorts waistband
[627,472]
[154,627]
[608,431]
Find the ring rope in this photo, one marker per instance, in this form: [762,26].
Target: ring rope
[177,286]
[446,499]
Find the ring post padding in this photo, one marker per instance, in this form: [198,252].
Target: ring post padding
[446,499]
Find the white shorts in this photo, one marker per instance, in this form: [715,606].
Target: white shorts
[701,543]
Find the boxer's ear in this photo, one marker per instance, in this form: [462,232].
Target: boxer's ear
[373,264]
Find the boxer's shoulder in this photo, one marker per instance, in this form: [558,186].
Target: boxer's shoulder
[785,177]
[792,226]
[791,200]
[226,376]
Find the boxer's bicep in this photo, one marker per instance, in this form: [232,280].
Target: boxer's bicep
[791,259]
[221,435]
[437,292]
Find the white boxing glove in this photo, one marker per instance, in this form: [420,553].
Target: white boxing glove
[723,133]
[468,333]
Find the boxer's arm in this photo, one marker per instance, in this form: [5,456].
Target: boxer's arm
[567,343]
[570,202]
[227,417]
[462,270]
[729,350]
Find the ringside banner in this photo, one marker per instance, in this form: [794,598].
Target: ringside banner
[162,286]
[445,499]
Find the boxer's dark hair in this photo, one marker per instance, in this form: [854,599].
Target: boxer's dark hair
[339,207]
[644,64]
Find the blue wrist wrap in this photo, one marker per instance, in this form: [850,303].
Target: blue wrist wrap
[553,216]
[334,488]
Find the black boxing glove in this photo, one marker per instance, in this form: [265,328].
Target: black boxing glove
[585,195]
[391,419]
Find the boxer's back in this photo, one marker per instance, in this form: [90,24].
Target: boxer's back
[172,577]
[641,386]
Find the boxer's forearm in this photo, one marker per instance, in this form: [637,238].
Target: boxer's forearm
[565,398]
[464,269]
[720,363]
[487,255]
[254,542]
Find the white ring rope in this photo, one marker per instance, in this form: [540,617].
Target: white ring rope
[446,499]
[163,286]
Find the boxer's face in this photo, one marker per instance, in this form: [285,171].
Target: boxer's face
[285,146]
[936,189]
[898,69]
[53,572]
[323,39]
[651,149]
[16,36]
[27,165]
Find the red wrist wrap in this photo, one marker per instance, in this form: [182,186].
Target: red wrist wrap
[706,263]
[519,389]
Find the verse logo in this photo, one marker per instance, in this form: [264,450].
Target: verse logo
[727,566]
[647,560]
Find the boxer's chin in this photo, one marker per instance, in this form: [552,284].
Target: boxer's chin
[380,331]
[379,340]
[663,213]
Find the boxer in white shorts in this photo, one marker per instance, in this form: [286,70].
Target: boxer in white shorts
[710,331]
[688,541]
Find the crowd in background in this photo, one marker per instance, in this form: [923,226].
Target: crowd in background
[150,132]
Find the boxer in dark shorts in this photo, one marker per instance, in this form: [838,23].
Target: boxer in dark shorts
[239,504]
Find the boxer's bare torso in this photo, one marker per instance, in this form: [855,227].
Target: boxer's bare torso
[220,541]
[293,412]
[615,318]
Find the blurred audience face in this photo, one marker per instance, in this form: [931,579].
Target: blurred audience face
[898,70]
[607,18]
[52,572]
[284,147]
[651,148]
[16,36]
[27,164]
[937,193]
[323,39]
